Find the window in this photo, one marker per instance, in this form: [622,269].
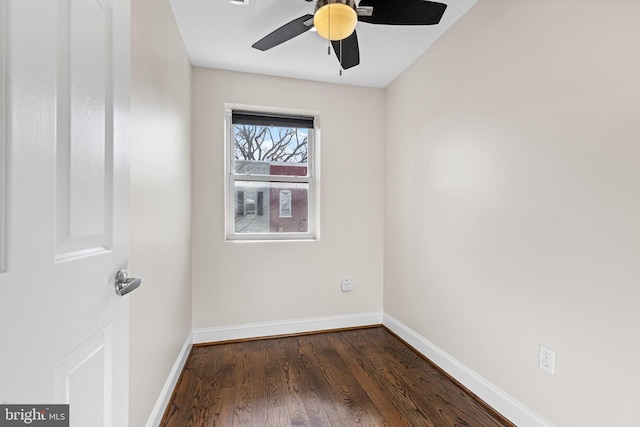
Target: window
[271,182]
[249,204]
[285,203]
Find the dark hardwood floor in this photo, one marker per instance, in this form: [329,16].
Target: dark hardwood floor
[361,377]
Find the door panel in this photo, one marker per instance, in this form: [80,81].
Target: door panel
[79,378]
[84,118]
[63,330]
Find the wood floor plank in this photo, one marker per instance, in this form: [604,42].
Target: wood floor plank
[291,384]
[318,388]
[352,399]
[307,386]
[447,399]
[373,374]
[326,413]
[363,377]
[257,381]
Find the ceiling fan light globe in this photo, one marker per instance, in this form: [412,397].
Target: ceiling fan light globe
[335,19]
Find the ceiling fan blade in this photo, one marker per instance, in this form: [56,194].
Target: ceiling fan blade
[402,12]
[347,51]
[284,33]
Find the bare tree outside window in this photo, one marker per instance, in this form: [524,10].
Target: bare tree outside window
[268,144]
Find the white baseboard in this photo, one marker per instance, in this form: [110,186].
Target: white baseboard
[296,326]
[510,408]
[165,394]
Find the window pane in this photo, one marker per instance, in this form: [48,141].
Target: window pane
[264,203]
[270,150]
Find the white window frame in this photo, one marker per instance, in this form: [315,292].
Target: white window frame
[311,180]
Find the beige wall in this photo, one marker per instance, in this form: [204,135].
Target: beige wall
[160,202]
[239,283]
[512,213]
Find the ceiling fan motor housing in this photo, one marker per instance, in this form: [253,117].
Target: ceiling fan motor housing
[335,19]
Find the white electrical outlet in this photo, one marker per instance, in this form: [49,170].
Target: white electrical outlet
[547,360]
[346,285]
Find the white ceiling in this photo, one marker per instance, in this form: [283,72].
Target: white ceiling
[219,34]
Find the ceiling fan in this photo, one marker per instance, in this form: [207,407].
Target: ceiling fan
[336,20]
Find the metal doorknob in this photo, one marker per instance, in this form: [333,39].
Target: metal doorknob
[125,284]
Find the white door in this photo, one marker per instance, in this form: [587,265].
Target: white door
[63,206]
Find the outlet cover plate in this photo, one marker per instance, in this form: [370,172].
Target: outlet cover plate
[547,360]
[346,285]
